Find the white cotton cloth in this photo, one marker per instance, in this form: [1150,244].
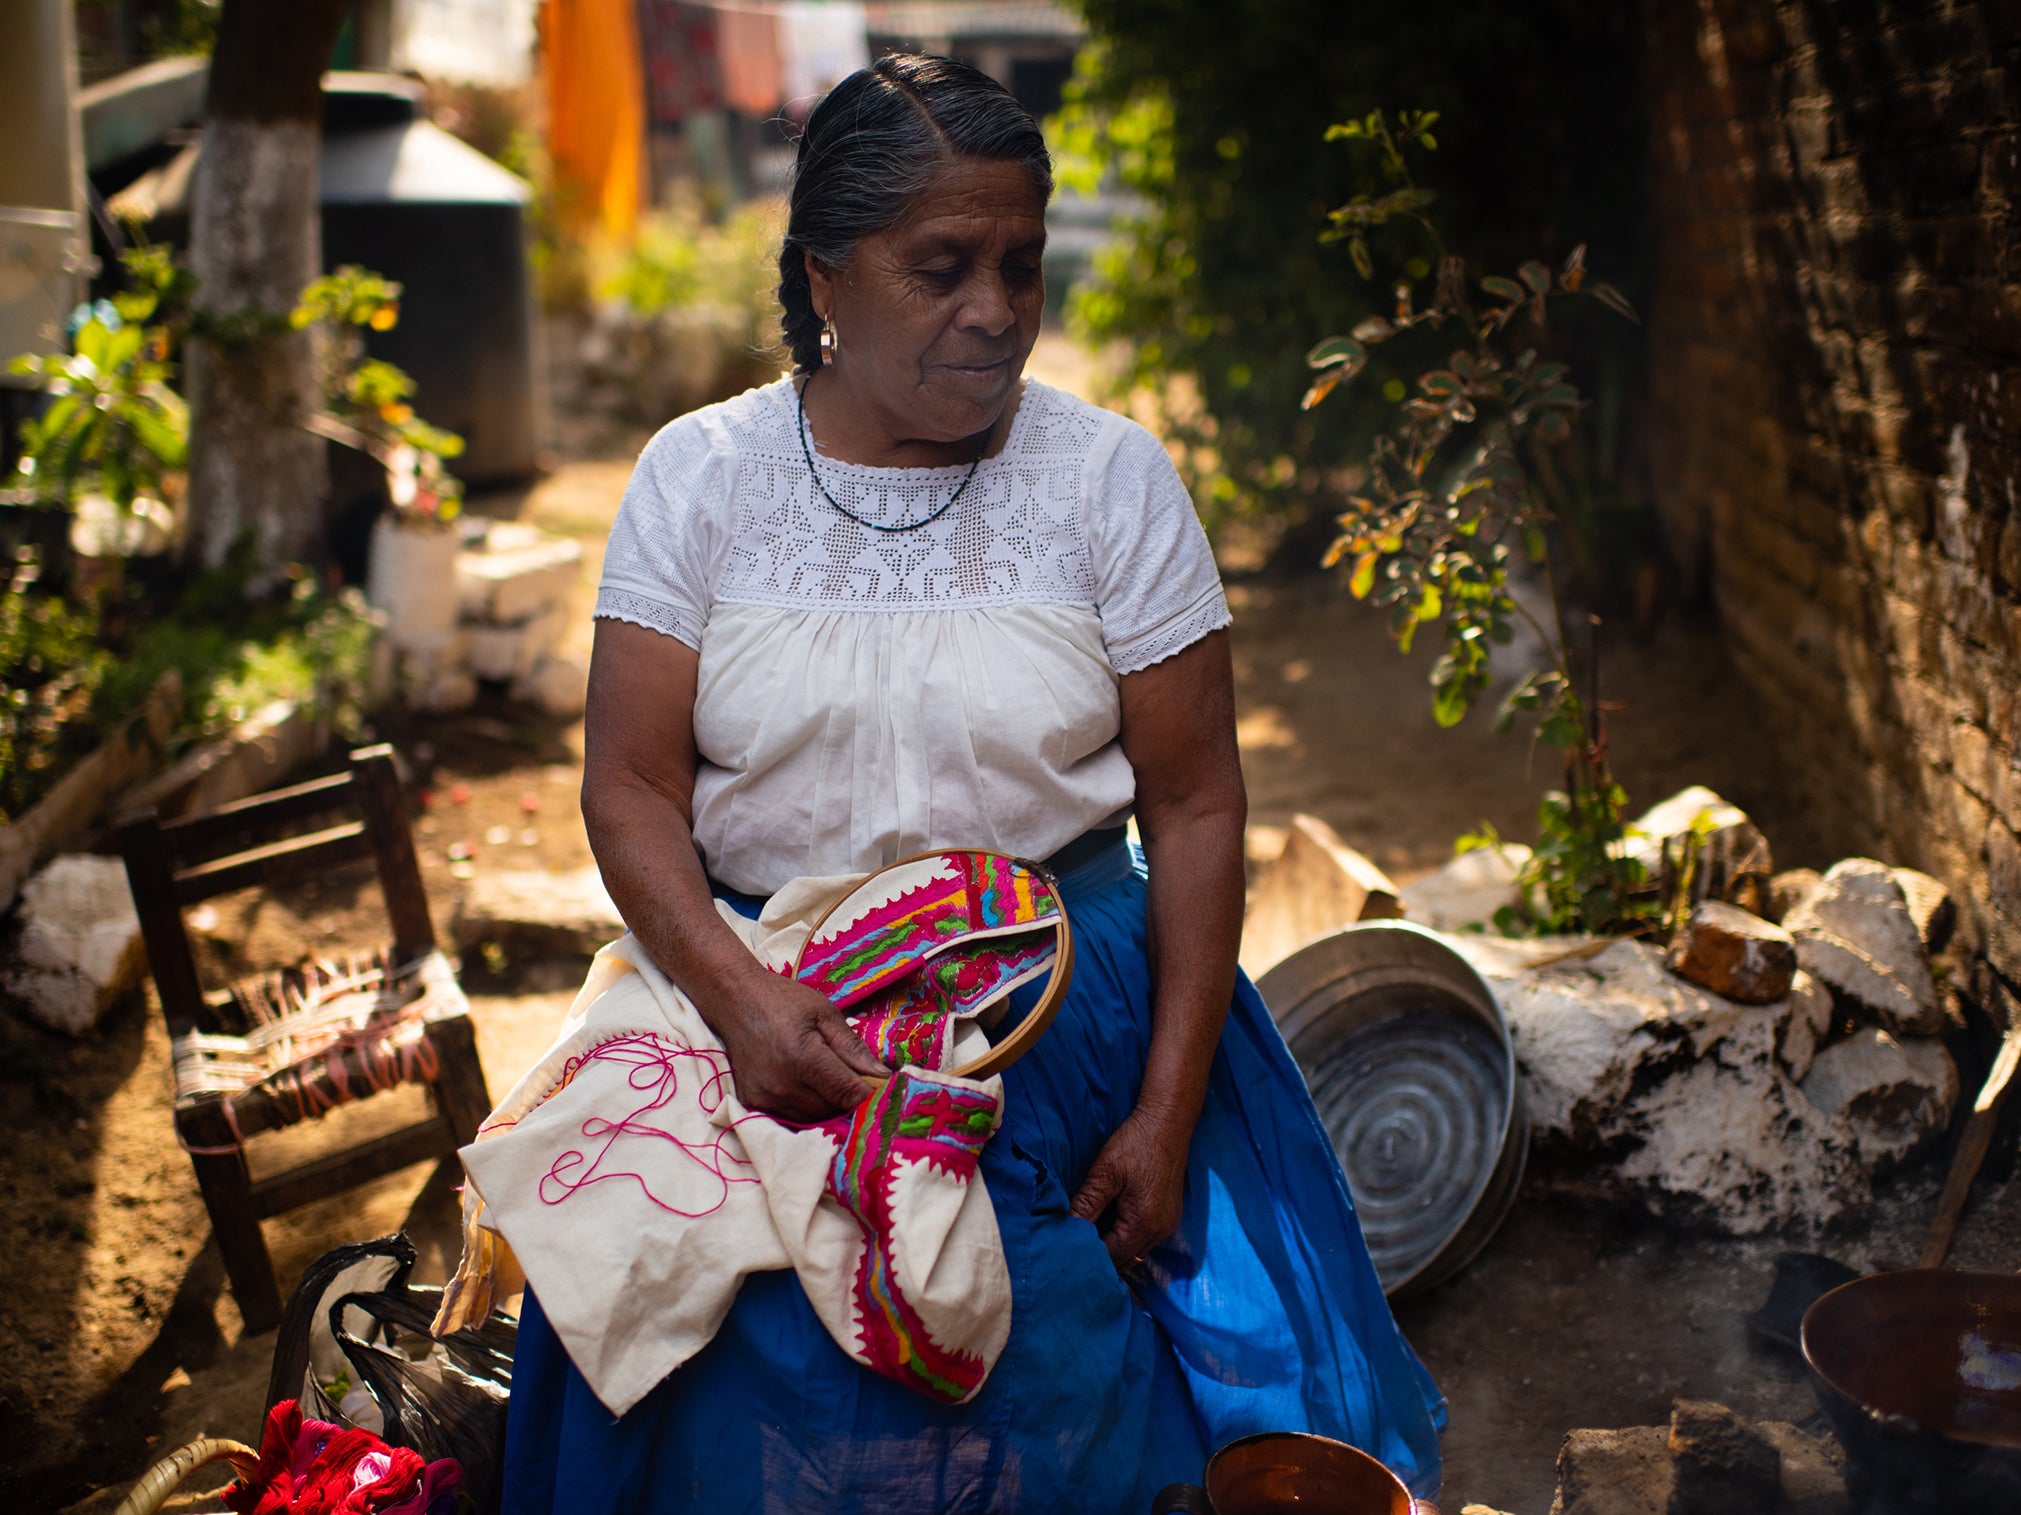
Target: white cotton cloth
[632,1289]
[868,695]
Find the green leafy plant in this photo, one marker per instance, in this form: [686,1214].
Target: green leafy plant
[366,401]
[70,672]
[1445,489]
[114,425]
[50,669]
[679,260]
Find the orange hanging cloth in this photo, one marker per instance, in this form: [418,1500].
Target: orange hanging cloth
[596,112]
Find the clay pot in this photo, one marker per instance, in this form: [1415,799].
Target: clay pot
[1291,1473]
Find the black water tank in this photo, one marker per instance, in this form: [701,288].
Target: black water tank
[404,198]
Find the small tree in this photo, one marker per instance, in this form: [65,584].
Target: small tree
[1445,489]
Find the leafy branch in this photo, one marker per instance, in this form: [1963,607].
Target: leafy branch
[1445,489]
[365,400]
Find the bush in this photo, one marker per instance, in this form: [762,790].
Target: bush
[687,314]
[71,672]
[1217,118]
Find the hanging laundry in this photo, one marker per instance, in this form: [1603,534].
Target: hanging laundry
[680,42]
[821,42]
[750,45]
[596,111]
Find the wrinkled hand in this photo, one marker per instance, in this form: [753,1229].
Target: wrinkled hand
[1133,1192]
[792,1054]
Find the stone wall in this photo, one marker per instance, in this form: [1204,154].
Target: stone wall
[1835,358]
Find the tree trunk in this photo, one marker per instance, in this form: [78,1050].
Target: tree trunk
[255,240]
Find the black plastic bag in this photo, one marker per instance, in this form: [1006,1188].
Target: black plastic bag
[354,1306]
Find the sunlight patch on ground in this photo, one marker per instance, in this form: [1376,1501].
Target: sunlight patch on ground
[1265,726]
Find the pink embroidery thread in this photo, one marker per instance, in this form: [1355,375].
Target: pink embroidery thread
[656,1067]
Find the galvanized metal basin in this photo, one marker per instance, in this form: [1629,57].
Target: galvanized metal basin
[1410,1065]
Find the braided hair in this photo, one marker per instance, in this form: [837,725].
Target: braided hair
[871,147]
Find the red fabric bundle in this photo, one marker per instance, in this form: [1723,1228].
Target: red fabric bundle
[310,1467]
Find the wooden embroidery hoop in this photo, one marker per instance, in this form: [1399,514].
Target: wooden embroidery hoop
[1032,1027]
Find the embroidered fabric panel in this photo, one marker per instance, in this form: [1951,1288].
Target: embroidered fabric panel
[669,1080]
[977,910]
[1014,537]
[613,604]
[1081,507]
[913,1119]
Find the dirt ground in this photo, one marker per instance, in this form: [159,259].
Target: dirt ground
[122,1342]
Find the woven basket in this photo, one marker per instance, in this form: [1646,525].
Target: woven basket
[168,1475]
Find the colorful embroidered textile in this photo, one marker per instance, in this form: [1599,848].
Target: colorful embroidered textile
[629,1132]
[929,942]
[910,1120]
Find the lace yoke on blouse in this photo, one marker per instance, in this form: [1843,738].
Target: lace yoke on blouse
[866,695]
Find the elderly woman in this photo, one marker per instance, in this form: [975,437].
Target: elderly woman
[907,599]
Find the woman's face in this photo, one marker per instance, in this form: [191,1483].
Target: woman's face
[935,316]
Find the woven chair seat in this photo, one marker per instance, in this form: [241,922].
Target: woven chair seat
[319,1036]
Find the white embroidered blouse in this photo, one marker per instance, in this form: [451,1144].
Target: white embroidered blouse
[866,695]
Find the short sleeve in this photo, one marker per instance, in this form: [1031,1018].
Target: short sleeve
[1156,587]
[667,544]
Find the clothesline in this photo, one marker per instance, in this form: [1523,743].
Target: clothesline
[751,56]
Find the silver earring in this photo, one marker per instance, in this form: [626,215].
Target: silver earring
[828,343]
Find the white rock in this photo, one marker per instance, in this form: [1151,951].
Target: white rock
[1809,1022]
[1468,890]
[78,947]
[1897,1094]
[559,686]
[1317,885]
[512,652]
[1930,907]
[1731,833]
[1855,932]
[1676,1092]
[516,571]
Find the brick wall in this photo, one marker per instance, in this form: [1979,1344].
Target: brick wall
[1835,343]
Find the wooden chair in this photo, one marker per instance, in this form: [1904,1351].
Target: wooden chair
[284,1047]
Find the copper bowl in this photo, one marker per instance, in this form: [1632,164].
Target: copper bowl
[1919,1373]
[1292,1473]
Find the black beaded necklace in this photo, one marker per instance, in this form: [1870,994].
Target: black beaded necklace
[807,452]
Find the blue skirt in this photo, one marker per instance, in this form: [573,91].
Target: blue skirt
[1262,1313]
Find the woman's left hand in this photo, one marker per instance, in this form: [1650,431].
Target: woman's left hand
[1134,1191]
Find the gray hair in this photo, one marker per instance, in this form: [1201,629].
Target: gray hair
[871,148]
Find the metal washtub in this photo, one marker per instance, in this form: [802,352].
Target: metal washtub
[1410,1065]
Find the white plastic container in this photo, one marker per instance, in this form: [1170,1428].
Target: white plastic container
[412,577]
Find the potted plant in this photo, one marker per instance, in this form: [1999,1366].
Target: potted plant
[411,572]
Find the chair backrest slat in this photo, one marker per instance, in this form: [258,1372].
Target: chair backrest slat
[198,838]
[275,863]
[178,864]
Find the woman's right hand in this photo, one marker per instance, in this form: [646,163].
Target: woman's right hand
[792,1054]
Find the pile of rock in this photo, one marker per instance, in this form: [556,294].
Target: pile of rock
[1759,1074]
[1707,1461]
[513,585]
